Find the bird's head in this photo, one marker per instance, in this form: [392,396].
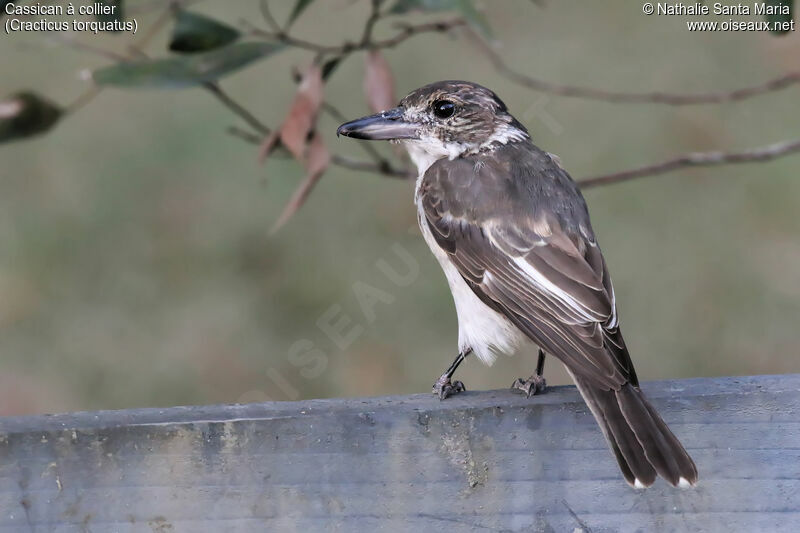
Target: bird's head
[443,119]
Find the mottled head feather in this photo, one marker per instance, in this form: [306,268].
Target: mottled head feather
[480,114]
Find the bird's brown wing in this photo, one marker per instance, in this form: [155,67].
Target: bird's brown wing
[552,283]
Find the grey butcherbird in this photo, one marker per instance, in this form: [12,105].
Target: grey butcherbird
[512,233]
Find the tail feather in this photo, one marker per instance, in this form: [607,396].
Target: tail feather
[686,467]
[641,441]
[651,432]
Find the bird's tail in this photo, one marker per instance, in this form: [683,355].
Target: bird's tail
[641,441]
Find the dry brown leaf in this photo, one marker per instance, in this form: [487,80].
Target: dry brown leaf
[299,122]
[268,144]
[379,88]
[318,155]
[378,82]
[316,163]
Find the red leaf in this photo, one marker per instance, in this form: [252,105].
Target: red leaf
[378,82]
[299,122]
[316,163]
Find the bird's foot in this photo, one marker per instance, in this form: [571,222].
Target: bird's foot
[532,386]
[444,388]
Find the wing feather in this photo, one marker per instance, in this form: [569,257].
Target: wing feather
[548,277]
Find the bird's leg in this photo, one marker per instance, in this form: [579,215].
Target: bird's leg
[534,384]
[443,386]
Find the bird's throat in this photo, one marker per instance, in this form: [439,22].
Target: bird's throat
[422,156]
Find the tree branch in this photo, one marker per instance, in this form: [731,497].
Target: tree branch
[374,16]
[237,108]
[247,136]
[367,166]
[410,30]
[775,84]
[166,15]
[697,159]
[348,47]
[84,99]
[267,14]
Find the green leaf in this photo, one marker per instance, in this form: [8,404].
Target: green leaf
[473,17]
[779,11]
[299,7]
[26,114]
[184,71]
[117,15]
[198,33]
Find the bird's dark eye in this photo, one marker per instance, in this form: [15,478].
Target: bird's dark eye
[443,108]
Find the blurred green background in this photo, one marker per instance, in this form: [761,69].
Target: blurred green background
[137,269]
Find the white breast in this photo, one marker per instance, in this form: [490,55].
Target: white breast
[480,327]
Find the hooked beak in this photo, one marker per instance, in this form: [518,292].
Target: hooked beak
[385,126]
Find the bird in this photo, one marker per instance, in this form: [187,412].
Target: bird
[511,230]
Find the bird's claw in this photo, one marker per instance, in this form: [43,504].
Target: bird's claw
[532,386]
[444,388]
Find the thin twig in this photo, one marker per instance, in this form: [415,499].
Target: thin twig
[410,30]
[267,14]
[374,16]
[82,100]
[247,136]
[368,166]
[333,111]
[697,159]
[283,37]
[165,16]
[775,84]
[348,47]
[237,108]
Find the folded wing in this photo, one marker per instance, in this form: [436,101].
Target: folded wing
[549,279]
